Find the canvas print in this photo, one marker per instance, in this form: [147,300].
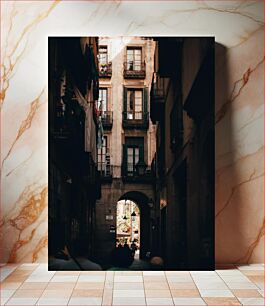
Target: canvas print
[131,153]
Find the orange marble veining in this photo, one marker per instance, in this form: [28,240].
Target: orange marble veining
[237,88]
[246,258]
[8,54]
[43,243]
[25,124]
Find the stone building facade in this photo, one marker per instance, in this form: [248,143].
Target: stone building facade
[74,182]
[129,144]
[182,105]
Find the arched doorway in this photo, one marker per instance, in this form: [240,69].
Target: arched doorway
[139,202]
[128,224]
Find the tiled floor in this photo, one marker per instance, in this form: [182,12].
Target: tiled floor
[33,284]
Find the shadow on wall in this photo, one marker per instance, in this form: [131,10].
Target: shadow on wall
[230,200]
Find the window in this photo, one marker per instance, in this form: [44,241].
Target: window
[103,55]
[102,156]
[102,104]
[134,104]
[133,153]
[134,58]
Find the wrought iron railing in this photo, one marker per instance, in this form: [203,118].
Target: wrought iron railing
[107,119]
[135,119]
[134,69]
[105,169]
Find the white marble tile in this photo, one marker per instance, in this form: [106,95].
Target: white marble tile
[85,301]
[128,279]
[53,301]
[6,293]
[159,301]
[91,278]
[129,286]
[64,278]
[188,301]
[122,301]
[241,285]
[251,301]
[215,293]
[128,293]
[22,301]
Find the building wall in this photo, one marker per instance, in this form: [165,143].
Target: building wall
[112,192]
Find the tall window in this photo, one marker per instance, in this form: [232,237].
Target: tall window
[134,104]
[103,100]
[102,154]
[103,55]
[134,152]
[134,58]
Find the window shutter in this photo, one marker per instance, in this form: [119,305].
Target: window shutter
[146,99]
[124,101]
[124,160]
[141,152]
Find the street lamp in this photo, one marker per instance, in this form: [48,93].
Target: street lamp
[141,167]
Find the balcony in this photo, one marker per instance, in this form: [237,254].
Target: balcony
[105,170]
[135,120]
[157,103]
[105,70]
[107,119]
[134,70]
[130,174]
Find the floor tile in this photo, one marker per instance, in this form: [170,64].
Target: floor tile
[128,279]
[179,279]
[22,301]
[9,285]
[53,301]
[60,286]
[242,285]
[182,286]
[153,273]
[130,286]
[40,286]
[107,298]
[157,293]
[56,294]
[253,272]
[185,293]
[251,301]
[246,293]
[215,301]
[7,293]
[211,285]
[188,301]
[28,293]
[155,278]
[131,301]
[216,293]
[159,301]
[235,279]
[92,278]
[87,293]
[251,267]
[85,301]
[88,285]
[128,293]
[64,278]
[156,285]
[261,292]
[256,278]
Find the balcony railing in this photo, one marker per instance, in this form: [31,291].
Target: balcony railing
[134,70]
[105,170]
[107,119]
[105,70]
[130,174]
[135,120]
[157,97]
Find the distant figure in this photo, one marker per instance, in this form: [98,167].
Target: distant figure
[133,248]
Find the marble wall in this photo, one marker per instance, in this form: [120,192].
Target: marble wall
[238,28]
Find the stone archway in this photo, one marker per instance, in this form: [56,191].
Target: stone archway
[142,201]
